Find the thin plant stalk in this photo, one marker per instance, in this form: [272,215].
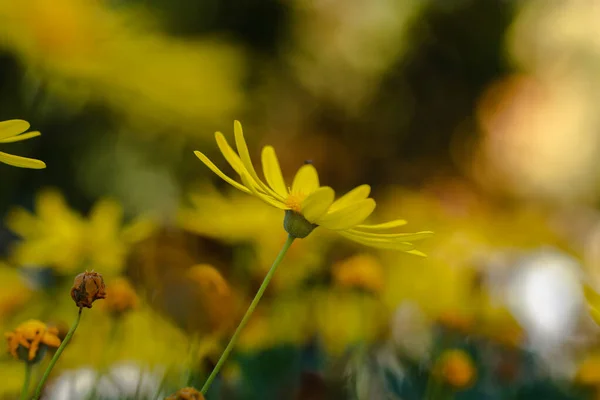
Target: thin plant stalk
[61,348]
[248,314]
[25,390]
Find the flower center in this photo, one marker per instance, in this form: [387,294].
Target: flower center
[294,201]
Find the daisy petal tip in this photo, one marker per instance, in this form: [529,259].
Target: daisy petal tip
[237,127]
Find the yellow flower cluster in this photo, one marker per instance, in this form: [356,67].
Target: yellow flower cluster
[99,241]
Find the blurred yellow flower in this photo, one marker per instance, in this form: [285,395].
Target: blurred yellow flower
[283,320]
[89,50]
[217,299]
[12,131]
[360,271]
[13,291]
[120,297]
[307,204]
[210,279]
[456,368]
[256,336]
[589,370]
[61,238]
[26,341]
[343,319]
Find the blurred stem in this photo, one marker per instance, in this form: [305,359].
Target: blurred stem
[248,314]
[138,387]
[61,348]
[25,389]
[112,335]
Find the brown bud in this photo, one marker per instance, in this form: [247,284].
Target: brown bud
[87,288]
[187,393]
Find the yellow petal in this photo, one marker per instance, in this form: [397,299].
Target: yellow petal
[317,203]
[12,127]
[50,340]
[138,230]
[221,175]
[357,194]
[306,180]
[22,162]
[386,244]
[386,225]
[264,197]
[50,203]
[242,148]
[18,138]
[22,222]
[406,237]
[232,158]
[106,217]
[416,253]
[347,217]
[272,171]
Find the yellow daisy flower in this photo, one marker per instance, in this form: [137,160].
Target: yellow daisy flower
[306,202]
[12,131]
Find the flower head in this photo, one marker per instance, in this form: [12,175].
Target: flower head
[360,271]
[12,131]
[28,342]
[87,288]
[121,297]
[210,279]
[456,368]
[306,202]
[187,393]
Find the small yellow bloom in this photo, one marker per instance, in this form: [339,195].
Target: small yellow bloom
[307,203]
[28,338]
[456,368]
[12,131]
[217,300]
[361,271]
[589,371]
[120,297]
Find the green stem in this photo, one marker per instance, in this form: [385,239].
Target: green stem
[248,314]
[26,382]
[61,348]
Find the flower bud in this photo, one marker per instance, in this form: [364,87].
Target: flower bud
[87,288]
[30,340]
[296,225]
[187,393]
